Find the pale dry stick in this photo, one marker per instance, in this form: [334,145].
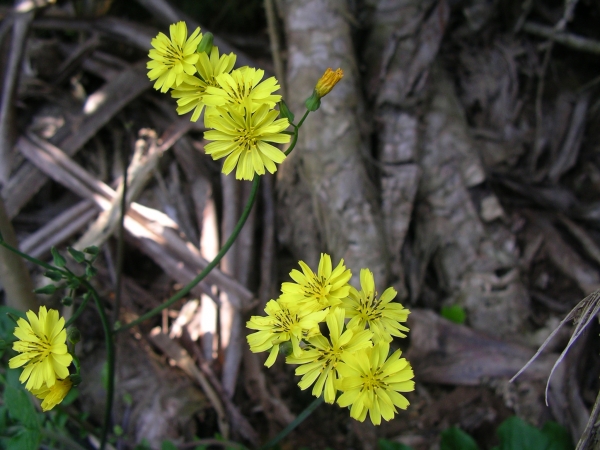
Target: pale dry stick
[59,229]
[14,277]
[101,106]
[567,39]
[22,18]
[72,220]
[139,171]
[267,250]
[275,42]
[150,225]
[236,263]
[183,360]
[237,419]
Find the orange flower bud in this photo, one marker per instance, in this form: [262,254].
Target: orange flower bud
[328,81]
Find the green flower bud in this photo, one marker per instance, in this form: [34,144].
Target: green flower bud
[67,301]
[47,290]
[313,102]
[286,349]
[285,112]
[73,335]
[75,379]
[59,260]
[76,254]
[206,44]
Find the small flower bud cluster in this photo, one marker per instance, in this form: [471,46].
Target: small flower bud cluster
[352,358]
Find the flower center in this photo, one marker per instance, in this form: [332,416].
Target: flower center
[372,381]
[287,321]
[246,139]
[316,287]
[174,55]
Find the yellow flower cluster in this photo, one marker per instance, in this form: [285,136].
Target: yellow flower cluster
[351,357]
[238,104]
[43,352]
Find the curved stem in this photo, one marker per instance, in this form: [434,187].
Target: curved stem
[183,292]
[110,363]
[78,312]
[297,421]
[295,136]
[30,258]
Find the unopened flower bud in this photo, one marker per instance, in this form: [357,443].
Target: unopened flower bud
[73,335]
[285,112]
[286,348]
[206,44]
[328,81]
[323,87]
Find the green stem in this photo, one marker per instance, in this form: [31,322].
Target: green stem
[303,119]
[30,258]
[295,137]
[183,292]
[110,362]
[74,317]
[287,430]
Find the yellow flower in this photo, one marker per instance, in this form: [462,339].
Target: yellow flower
[190,93]
[320,358]
[325,288]
[328,81]
[173,58]
[242,88]
[284,322]
[243,137]
[54,395]
[42,347]
[371,383]
[381,315]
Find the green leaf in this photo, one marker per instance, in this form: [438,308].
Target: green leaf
[59,260]
[20,407]
[454,314]
[26,440]
[456,439]
[516,434]
[167,445]
[558,436]
[384,444]
[76,254]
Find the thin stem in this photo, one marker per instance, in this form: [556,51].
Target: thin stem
[31,259]
[183,292]
[110,362]
[303,119]
[295,137]
[120,243]
[78,312]
[297,421]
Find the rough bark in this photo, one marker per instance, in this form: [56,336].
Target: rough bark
[327,201]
